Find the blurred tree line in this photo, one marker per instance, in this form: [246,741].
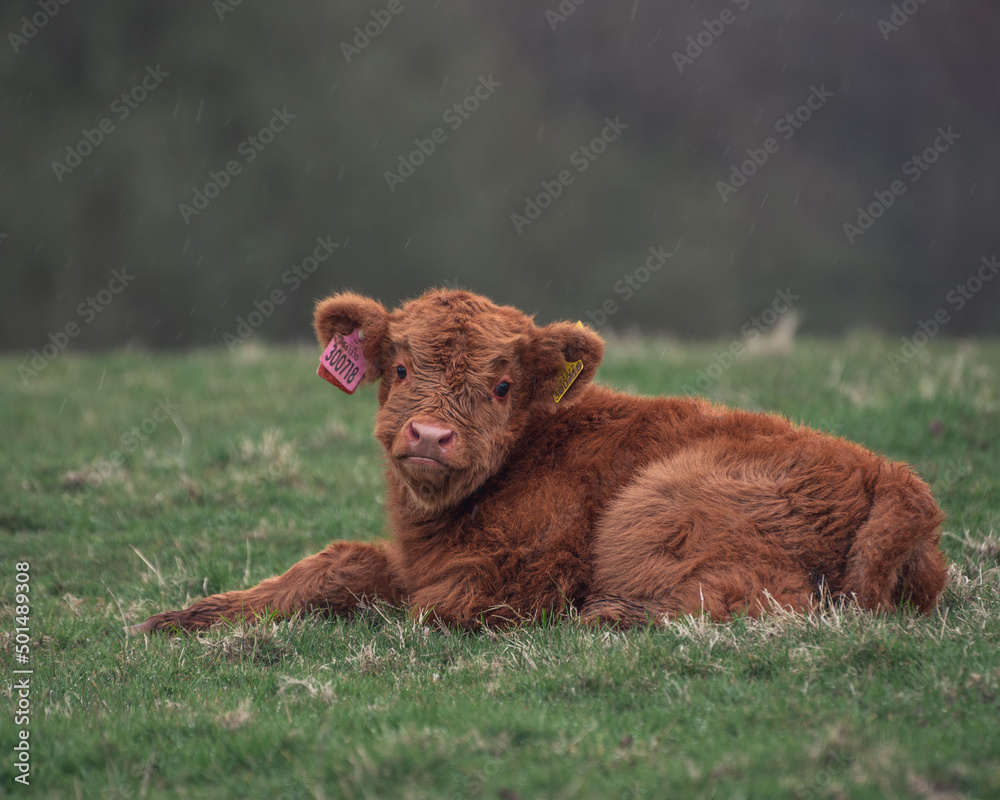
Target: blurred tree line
[234,161]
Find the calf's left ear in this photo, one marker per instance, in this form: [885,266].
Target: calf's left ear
[346,312]
[560,360]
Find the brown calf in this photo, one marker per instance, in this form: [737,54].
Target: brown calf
[517,488]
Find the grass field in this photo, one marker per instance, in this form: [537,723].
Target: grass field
[133,483]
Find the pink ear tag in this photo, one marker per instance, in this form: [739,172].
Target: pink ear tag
[343,361]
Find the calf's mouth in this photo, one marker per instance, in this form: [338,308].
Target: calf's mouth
[424,462]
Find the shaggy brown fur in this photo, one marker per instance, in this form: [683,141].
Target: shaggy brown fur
[505,506]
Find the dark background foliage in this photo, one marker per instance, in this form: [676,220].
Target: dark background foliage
[564,71]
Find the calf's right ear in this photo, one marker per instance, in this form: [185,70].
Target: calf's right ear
[344,313]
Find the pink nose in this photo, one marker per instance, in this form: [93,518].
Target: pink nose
[429,440]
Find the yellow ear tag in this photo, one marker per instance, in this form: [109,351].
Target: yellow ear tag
[571,370]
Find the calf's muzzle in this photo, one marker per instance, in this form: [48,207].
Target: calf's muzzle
[424,440]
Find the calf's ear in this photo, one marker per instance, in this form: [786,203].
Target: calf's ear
[346,312]
[560,360]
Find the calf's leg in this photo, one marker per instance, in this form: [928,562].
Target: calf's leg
[895,557]
[335,580]
[730,528]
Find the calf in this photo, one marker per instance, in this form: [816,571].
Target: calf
[516,488]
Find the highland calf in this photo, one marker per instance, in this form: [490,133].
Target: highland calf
[516,488]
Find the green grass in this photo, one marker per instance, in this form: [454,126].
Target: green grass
[267,463]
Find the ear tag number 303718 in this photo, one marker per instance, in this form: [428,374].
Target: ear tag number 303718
[343,361]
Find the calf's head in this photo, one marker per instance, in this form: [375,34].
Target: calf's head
[459,379]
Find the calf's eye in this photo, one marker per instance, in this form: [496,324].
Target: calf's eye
[501,389]
[401,372]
